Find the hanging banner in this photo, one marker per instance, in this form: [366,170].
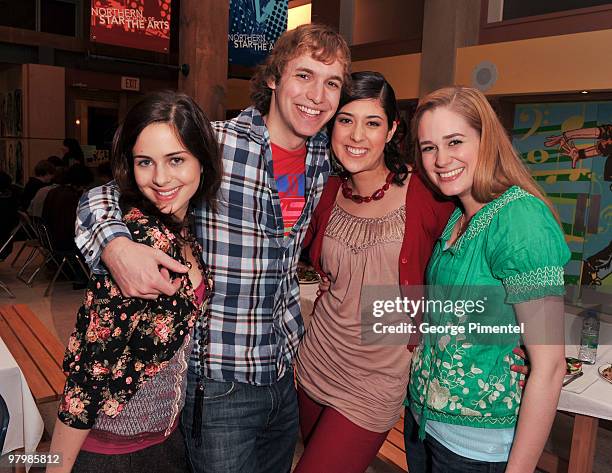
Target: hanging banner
[139,24]
[254,27]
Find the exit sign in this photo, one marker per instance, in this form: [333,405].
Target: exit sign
[130,83]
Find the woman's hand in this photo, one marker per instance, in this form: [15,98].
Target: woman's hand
[521,369]
[323,285]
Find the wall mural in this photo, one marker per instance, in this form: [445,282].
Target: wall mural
[568,147]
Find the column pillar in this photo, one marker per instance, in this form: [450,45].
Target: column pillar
[203,46]
[447,25]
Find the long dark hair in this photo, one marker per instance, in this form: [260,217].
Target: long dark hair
[195,133]
[373,85]
[74,153]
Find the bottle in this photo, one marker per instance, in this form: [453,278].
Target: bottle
[589,338]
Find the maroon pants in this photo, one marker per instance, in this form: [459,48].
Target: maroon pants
[333,443]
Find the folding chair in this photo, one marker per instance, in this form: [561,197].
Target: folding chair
[59,257]
[25,225]
[37,248]
[5,288]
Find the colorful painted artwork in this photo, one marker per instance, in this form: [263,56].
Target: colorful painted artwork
[568,147]
[254,27]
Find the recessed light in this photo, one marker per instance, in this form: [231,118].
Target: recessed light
[77,121]
[584,92]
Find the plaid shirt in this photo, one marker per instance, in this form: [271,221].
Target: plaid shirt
[253,325]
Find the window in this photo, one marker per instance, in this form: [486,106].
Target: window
[58,17]
[18,14]
[47,16]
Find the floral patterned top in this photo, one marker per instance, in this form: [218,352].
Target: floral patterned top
[119,343]
[513,251]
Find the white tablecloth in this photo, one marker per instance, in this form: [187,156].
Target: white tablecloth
[589,395]
[25,426]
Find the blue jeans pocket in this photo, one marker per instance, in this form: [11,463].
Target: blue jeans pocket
[217,389]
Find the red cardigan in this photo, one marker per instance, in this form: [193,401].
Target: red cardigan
[426,217]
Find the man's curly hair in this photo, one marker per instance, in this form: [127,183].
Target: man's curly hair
[321,41]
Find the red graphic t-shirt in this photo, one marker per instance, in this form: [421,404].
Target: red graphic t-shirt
[289,168]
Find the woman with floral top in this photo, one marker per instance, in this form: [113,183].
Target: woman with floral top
[502,248]
[126,359]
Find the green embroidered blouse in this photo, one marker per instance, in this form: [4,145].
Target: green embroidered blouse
[513,244]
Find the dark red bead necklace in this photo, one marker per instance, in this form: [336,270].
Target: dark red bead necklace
[347,192]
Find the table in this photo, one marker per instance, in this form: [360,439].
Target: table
[26,425]
[589,398]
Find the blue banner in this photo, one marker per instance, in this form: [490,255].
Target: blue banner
[254,27]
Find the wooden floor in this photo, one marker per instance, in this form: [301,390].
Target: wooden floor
[393,449]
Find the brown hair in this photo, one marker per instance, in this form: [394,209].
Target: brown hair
[192,129]
[498,167]
[44,168]
[321,41]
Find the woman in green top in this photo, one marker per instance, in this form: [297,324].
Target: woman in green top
[500,263]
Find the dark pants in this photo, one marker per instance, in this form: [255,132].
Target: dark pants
[245,428]
[430,456]
[168,456]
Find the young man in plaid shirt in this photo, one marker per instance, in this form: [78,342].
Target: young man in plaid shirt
[241,412]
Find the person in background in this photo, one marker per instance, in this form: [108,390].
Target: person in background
[73,154]
[127,357]
[60,206]
[44,173]
[375,225]
[467,411]
[241,410]
[60,168]
[8,210]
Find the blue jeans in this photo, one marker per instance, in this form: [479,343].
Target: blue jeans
[245,428]
[430,456]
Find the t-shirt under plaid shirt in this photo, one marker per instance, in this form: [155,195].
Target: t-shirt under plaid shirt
[253,324]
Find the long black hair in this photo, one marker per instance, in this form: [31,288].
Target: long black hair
[74,153]
[193,130]
[373,85]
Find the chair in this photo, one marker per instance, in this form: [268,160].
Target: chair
[4,422]
[4,287]
[25,225]
[37,248]
[59,257]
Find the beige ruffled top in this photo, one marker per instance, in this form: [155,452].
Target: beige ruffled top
[365,382]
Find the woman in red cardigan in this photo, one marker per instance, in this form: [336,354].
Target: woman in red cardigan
[375,226]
